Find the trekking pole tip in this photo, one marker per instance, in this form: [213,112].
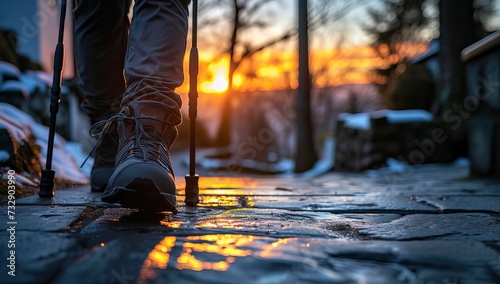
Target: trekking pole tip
[192,190]
[47,184]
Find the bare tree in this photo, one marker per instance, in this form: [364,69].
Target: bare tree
[244,17]
[393,24]
[305,154]
[247,18]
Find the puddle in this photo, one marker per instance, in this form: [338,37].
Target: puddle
[198,252]
[228,258]
[227,201]
[212,183]
[217,253]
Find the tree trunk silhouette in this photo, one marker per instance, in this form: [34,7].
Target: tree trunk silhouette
[305,154]
[457,30]
[223,137]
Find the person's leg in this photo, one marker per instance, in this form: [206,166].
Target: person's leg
[143,177]
[155,54]
[101,31]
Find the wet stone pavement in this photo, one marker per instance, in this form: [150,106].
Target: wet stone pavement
[430,225]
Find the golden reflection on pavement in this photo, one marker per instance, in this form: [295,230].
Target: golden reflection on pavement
[208,252]
[223,192]
[236,219]
[173,224]
[157,258]
[225,246]
[219,223]
[226,201]
[219,183]
[229,183]
[270,250]
[226,191]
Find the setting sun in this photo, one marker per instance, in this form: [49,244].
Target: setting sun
[220,84]
[271,70]
[219,74]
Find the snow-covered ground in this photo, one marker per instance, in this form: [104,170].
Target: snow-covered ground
[22,126]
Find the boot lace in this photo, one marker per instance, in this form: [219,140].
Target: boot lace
[144,145]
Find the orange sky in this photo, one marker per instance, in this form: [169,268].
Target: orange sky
[271,70]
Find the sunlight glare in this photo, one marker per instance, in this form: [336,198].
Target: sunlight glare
[219,73]
[220,83]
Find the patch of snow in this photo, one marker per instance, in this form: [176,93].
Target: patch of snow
[43,77]
[18,119]
[402,116]
[15,86]
[362,120]
[41,132]
[357,120]
[20,179]
[32,83]
[325,164]
[4,156]
[462,162]
[21,125]
[397,166]
[62,162]
[14,130]
[76,151]
[8,70]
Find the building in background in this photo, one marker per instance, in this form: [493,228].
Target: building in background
[36,23]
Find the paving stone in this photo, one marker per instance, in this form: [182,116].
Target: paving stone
[438,190]
[116,261]
[216,258]
[339,228]
[283,223]
[472,188]
[275,191]
[464,203]
[275,186]
[39,256]
[42,218]
[470,226]
[432,173]
[338,204]
[263,222]
[495,267]
[433,261]
[80,196]
[475,186]
[277,181]
[213,183]
[233,258]
[120,220]
[429,186]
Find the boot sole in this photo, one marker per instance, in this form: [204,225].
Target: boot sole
[147,198]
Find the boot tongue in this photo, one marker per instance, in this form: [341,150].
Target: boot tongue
[148,109]
[159,123]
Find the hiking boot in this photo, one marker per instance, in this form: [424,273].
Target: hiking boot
[104,161]
[143,177]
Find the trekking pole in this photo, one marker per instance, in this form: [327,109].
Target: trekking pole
[192,178]
[47,181]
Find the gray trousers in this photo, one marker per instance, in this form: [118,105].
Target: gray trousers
[120,62]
